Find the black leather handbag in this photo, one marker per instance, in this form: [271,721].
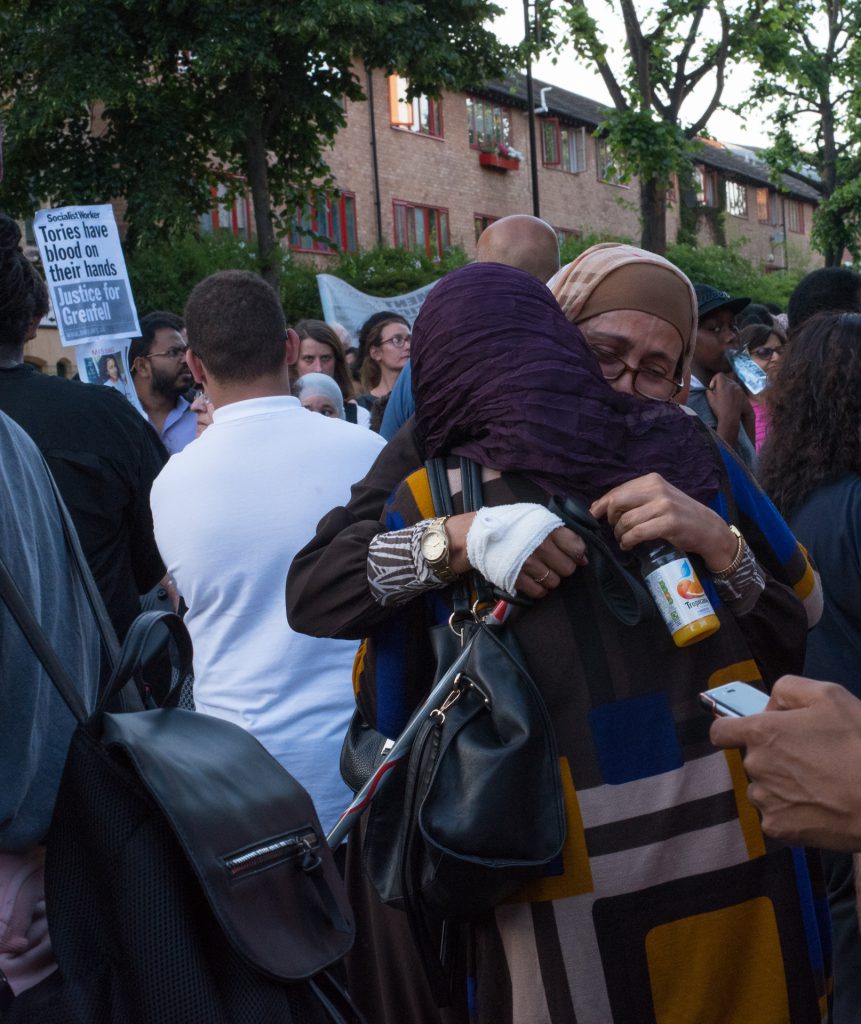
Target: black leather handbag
[478,807]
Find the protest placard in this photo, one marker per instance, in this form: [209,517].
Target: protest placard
[86,273]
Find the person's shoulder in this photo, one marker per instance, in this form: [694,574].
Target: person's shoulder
[344,435]
[16,439]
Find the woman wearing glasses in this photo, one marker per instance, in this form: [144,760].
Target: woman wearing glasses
[764,344]
[385,351]
[666,885]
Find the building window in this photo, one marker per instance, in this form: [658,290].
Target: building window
[573,144]
[489,124]
[232,215]
[550,142]
[767,211]
[605,165]
[422,114]
[327,225]
[421,227]
[482,221]
[794,216]
[563,234]
[563,146]
[707,188]
[736,199]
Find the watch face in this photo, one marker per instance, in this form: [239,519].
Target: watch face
[433,546]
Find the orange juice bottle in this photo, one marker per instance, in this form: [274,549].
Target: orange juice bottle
[678,593]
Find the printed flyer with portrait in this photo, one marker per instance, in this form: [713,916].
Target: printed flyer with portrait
[91,297]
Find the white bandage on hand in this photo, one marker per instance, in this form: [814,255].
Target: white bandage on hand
[502,538]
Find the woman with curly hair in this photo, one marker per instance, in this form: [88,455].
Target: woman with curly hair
[811,467]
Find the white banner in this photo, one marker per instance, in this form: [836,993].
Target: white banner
[86,273]
[346,305]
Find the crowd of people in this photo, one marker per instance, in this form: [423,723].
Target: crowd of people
[613,380]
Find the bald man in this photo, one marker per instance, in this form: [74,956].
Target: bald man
[521,241]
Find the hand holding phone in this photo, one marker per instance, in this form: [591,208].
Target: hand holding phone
[734,700]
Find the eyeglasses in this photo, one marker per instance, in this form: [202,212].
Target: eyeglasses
[169,353]
[647,383]
[766,354]
[398,340]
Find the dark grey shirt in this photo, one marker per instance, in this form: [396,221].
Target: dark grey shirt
[36,725]
[744,447]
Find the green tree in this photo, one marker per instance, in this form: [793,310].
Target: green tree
[809,56]
[669,51]
[160,101]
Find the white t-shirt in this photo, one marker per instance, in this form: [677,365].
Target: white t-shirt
[230,513]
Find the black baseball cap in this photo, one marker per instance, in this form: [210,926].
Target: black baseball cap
[710,299]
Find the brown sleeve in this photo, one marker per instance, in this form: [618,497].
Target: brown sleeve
[775,629]
[327,585]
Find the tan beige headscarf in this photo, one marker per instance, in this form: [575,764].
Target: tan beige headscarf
[613,276]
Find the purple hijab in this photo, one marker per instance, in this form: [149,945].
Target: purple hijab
[500,376]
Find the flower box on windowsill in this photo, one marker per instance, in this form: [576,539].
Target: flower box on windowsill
[498,162]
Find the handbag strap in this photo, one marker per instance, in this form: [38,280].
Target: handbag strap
[443,505]
[138,643]
[41,646]
[470,475]
[624,595]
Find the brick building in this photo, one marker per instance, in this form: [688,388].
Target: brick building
[435,172]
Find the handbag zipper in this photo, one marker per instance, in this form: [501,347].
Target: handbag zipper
[301,841]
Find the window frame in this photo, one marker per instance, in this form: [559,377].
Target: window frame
[240,205]
[405,115]
[708,182]
[601,145]
[551,123]
[443,222]
[797,206]
[563,234]
[482,221]
[575,133]
[576,140]
[773,213]
[737,188]
[341,206]
[505,117]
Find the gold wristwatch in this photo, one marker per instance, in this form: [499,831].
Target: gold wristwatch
[731,569]
[435,551]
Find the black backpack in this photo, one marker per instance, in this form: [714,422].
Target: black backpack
[187,878]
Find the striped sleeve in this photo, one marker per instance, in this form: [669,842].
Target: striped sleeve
[772,540]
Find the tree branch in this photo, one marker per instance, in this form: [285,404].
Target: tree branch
[678,93]
[638,48]
[600,61]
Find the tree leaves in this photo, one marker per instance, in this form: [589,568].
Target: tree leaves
[188,91]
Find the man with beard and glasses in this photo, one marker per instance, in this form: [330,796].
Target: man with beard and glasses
[162,378]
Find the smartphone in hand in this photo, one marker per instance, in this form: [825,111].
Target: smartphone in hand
[734,700]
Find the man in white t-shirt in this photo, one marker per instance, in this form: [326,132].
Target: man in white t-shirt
[231,511]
